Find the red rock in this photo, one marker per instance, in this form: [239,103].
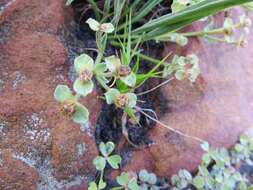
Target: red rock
[46,150]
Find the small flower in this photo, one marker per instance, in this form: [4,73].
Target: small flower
[96,26]
[184,67]
[123,72]
[122,100]
[84,66]
[242,42]
[228,30]
[113,96]
[69,105]
[68,108]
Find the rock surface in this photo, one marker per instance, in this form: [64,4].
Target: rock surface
[217,108]
[39,149]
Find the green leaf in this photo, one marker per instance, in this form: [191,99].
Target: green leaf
[199,182]
[122,179]
[206,159]
[101,184]
[132,100]
[110,95]
[99,163]
[100,68]
[106,149]
[93,24]
[83,88]
[180,74]
[83,62]
[238,147]
[114,161]
[133,184]
[112,63]
[175,21]
[152,179]
[92,186]
[144,175]
[63,93]
[129,80]
[81,114]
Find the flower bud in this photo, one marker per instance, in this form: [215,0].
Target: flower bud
[121,100]
[124,70]
[68,108]
[85,76]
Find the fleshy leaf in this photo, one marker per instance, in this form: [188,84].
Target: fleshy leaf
[132,99]
[152,179]
[100,68]
[122,179]
[112,63]
[111,95]
[114,161]
[199,182]
[99,163]
[92,186]
[83,88]
[93,24]
[63,93]
[83,62]
[133,184]
[180,74]
[144,175]
[106,149]
[129,80]
[81,114]
[101,184]
[107,27]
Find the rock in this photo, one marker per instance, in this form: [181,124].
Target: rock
[217,108]
[48,151]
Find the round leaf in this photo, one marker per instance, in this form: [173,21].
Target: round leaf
[93,24]
[101,184]
[114,161]
[110,95]
[106,149]
[129,80]
[133,184]
[122,179]
[93,186]
[152,179]
[83,62]
[199,182]
[63,93]
[180,74]
[81,114]
[132,99]
[99,163]
[144,175]
[83,88]
[100,68]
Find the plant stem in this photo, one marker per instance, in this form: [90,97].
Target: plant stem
[211,32]
[158,86]
[168,127]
